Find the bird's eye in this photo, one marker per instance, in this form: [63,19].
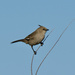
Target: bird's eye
[43,29]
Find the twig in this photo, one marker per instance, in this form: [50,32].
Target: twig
[32,61]
[53,47]
[37,50]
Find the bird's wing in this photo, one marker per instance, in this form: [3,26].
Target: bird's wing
[31,36]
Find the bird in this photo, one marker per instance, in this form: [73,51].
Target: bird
[34,38]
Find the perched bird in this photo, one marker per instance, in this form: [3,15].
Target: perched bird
[34,38]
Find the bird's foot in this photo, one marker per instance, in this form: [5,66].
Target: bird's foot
[35,52]
[41,43]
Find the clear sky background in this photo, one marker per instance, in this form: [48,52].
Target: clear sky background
[18,18]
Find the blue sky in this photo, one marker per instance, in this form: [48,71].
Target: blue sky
[18,18]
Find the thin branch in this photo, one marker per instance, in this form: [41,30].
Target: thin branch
[32,61]
[32,64]
[37,50]
[53,46]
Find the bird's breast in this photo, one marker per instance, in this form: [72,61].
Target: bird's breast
[37,39]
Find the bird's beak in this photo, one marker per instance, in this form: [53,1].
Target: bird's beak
[47,30]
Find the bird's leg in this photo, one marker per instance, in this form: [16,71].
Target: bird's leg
[41,43]
[33,50]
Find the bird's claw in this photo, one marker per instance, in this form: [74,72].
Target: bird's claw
[42,43]
[35,52]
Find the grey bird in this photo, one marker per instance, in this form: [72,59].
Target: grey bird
[35,37]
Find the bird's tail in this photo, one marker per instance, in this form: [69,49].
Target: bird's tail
[21,40]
